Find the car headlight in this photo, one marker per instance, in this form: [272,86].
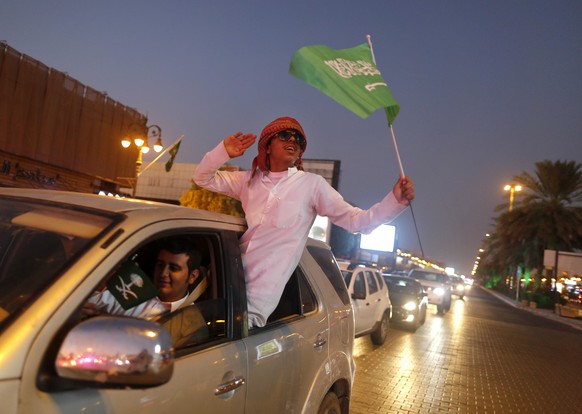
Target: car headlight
[460,287]
[409,306]
[438,291]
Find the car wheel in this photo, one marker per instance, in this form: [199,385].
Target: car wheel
[423,315]
[441,309]
[379,335]
[414,325]
[448,304]
[330,405]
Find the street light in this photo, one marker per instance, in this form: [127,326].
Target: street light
[512,189]
[141,136]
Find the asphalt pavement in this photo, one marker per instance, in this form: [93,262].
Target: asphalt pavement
[543,313]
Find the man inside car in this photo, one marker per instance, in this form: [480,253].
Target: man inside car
[130,292]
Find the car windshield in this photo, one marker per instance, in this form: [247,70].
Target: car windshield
[435,277]
[401,286]
[37,242]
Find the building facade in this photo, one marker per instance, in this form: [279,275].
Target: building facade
[57,133]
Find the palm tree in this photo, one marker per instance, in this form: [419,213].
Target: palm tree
[547,216]
[553,205]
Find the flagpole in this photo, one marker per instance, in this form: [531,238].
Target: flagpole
[369,39]
[161,154]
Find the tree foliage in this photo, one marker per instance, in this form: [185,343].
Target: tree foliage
[200,198]
[548,215]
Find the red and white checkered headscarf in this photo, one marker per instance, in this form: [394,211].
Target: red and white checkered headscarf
[280,124]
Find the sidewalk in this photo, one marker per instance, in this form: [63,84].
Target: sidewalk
[545,313]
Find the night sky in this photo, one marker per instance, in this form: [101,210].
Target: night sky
[486,89]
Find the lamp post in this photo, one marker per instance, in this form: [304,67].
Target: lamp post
[141,140]
[512,189]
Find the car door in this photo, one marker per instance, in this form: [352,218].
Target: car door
[287,357]
[377,295]
[363,308]
[207,378]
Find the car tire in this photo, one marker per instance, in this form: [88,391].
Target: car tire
[330,404]
[414,325]
[441,309]
[448,304]
[423,315]
[381,332]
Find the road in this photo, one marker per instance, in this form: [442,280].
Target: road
[484,356]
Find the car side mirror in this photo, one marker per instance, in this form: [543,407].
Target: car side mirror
[113,351]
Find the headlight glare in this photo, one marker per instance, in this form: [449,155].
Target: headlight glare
[409,306]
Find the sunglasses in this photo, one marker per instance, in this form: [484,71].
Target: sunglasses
[288,133]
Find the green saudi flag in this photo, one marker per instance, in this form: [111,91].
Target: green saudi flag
[173,152]
[131,286]
[349,76]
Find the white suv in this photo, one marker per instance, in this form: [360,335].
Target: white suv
[58,248]
[437,286]
[372,307]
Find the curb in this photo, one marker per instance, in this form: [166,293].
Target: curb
[545,313]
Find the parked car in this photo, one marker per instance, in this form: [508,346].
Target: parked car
[573,295]
[458,286]
[409,300]
[437,286]
[371,301]
[57,248]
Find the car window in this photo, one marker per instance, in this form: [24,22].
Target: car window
[328,264]
[201,318]
[372,284]
[402,286]
[359,283]
[297,299]
[434,277]
[38,241]
[380,280]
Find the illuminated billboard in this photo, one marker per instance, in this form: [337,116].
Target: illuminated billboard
[381,239]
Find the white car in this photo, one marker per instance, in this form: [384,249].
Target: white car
[436,285]
[57,248]
[371,301]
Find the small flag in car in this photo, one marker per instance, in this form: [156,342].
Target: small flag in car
[131,286]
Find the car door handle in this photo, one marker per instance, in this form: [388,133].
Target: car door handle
[319,342]
[229,386]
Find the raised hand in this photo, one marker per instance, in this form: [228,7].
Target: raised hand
[404,190]
[236,144]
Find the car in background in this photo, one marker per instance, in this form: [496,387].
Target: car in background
[58,248]
[437,286]
[409,300]
[370,299]
[573,295]
[458,286]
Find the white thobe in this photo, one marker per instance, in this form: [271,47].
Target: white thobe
[280,209]
[106,302]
